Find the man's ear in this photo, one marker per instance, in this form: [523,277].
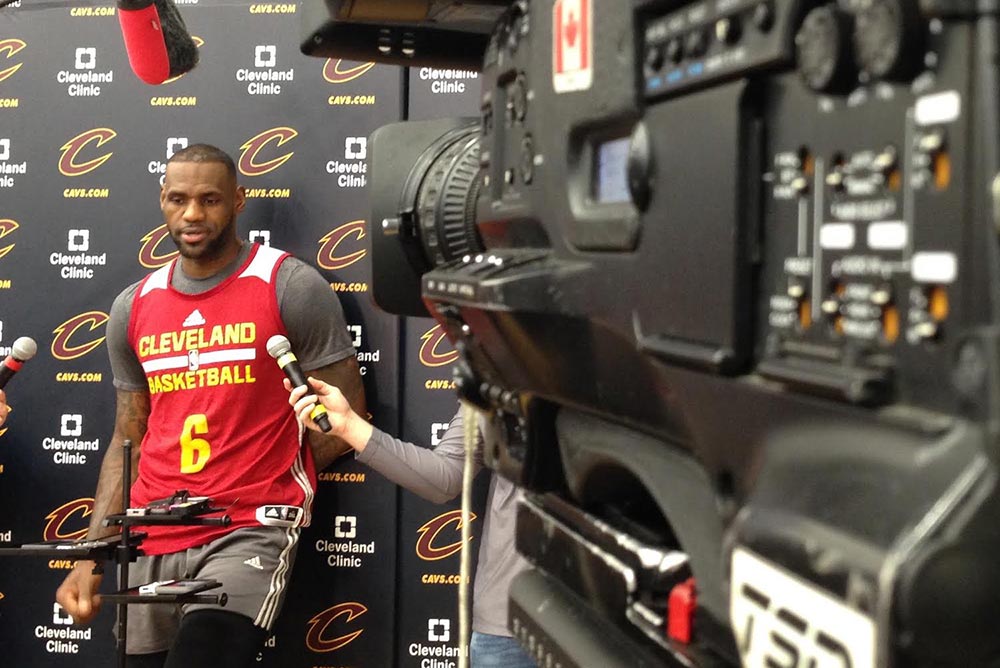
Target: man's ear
[241,198]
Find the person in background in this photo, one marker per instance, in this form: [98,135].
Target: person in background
[200,400]
[436,475]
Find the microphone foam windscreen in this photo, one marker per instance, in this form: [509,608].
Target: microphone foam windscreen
[182,52]
[144,43]
[24,348]
[277,346]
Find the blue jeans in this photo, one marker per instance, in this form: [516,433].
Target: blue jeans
[489,651]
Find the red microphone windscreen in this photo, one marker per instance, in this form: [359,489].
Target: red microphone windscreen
[144,43]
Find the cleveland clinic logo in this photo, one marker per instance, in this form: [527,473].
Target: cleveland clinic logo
[437,432]
[69,447]
[332,629]
[355,332]
[265,77]
[352,171]
[345,550]
[159,167]
[8,167]
[345,526]
[86,78]
[74,161]
[77,262]
[341,247]
[365,357]
[253,159]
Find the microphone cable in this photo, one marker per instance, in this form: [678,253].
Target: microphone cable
[470,430]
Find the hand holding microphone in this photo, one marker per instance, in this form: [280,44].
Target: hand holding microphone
[280,349]
[348,425]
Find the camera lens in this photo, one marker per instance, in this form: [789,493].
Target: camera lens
[445,207]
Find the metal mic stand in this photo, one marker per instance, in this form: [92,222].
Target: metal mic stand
[124,550]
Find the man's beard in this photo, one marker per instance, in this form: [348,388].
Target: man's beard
[213,247]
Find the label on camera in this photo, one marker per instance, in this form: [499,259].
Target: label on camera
[572,46]
[782,620]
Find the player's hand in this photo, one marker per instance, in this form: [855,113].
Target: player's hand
[4,408]
[78,592]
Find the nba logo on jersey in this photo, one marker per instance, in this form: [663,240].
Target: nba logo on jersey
[193,360]
[572,53]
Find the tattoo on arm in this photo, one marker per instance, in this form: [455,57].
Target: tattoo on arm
[131,415]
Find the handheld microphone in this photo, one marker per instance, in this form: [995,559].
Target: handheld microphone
[23,350]
[280,349]
[156,39]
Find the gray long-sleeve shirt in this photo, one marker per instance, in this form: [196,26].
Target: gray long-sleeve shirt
[436,475]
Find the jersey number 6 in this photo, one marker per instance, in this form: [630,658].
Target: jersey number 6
[194,451]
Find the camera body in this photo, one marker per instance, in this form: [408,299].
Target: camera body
[724,277]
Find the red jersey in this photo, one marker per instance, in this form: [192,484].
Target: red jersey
[219,423]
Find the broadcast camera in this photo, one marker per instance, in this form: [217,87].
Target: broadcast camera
[725,275]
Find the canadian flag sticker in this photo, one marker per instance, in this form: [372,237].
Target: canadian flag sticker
[572,56]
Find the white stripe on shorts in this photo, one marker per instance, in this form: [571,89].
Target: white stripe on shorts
[302,477]
[279,581]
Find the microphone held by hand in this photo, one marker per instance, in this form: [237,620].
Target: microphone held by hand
[280,349]
[22,350]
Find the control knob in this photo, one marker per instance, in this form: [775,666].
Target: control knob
[889,40]
[823,44]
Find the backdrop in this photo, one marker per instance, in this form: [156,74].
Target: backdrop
[83,147]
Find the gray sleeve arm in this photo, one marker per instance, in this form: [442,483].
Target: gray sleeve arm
[312,315]
[435,475]
[125,366]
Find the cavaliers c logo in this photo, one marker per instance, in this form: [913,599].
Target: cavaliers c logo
[58,517]
[148,255]
[335,72]
[427,549]
[6,227]
[316,639]
[71,149]
[63,349]
[327,256]
[198,41]
[429,353]
[249,164]
[9,49]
